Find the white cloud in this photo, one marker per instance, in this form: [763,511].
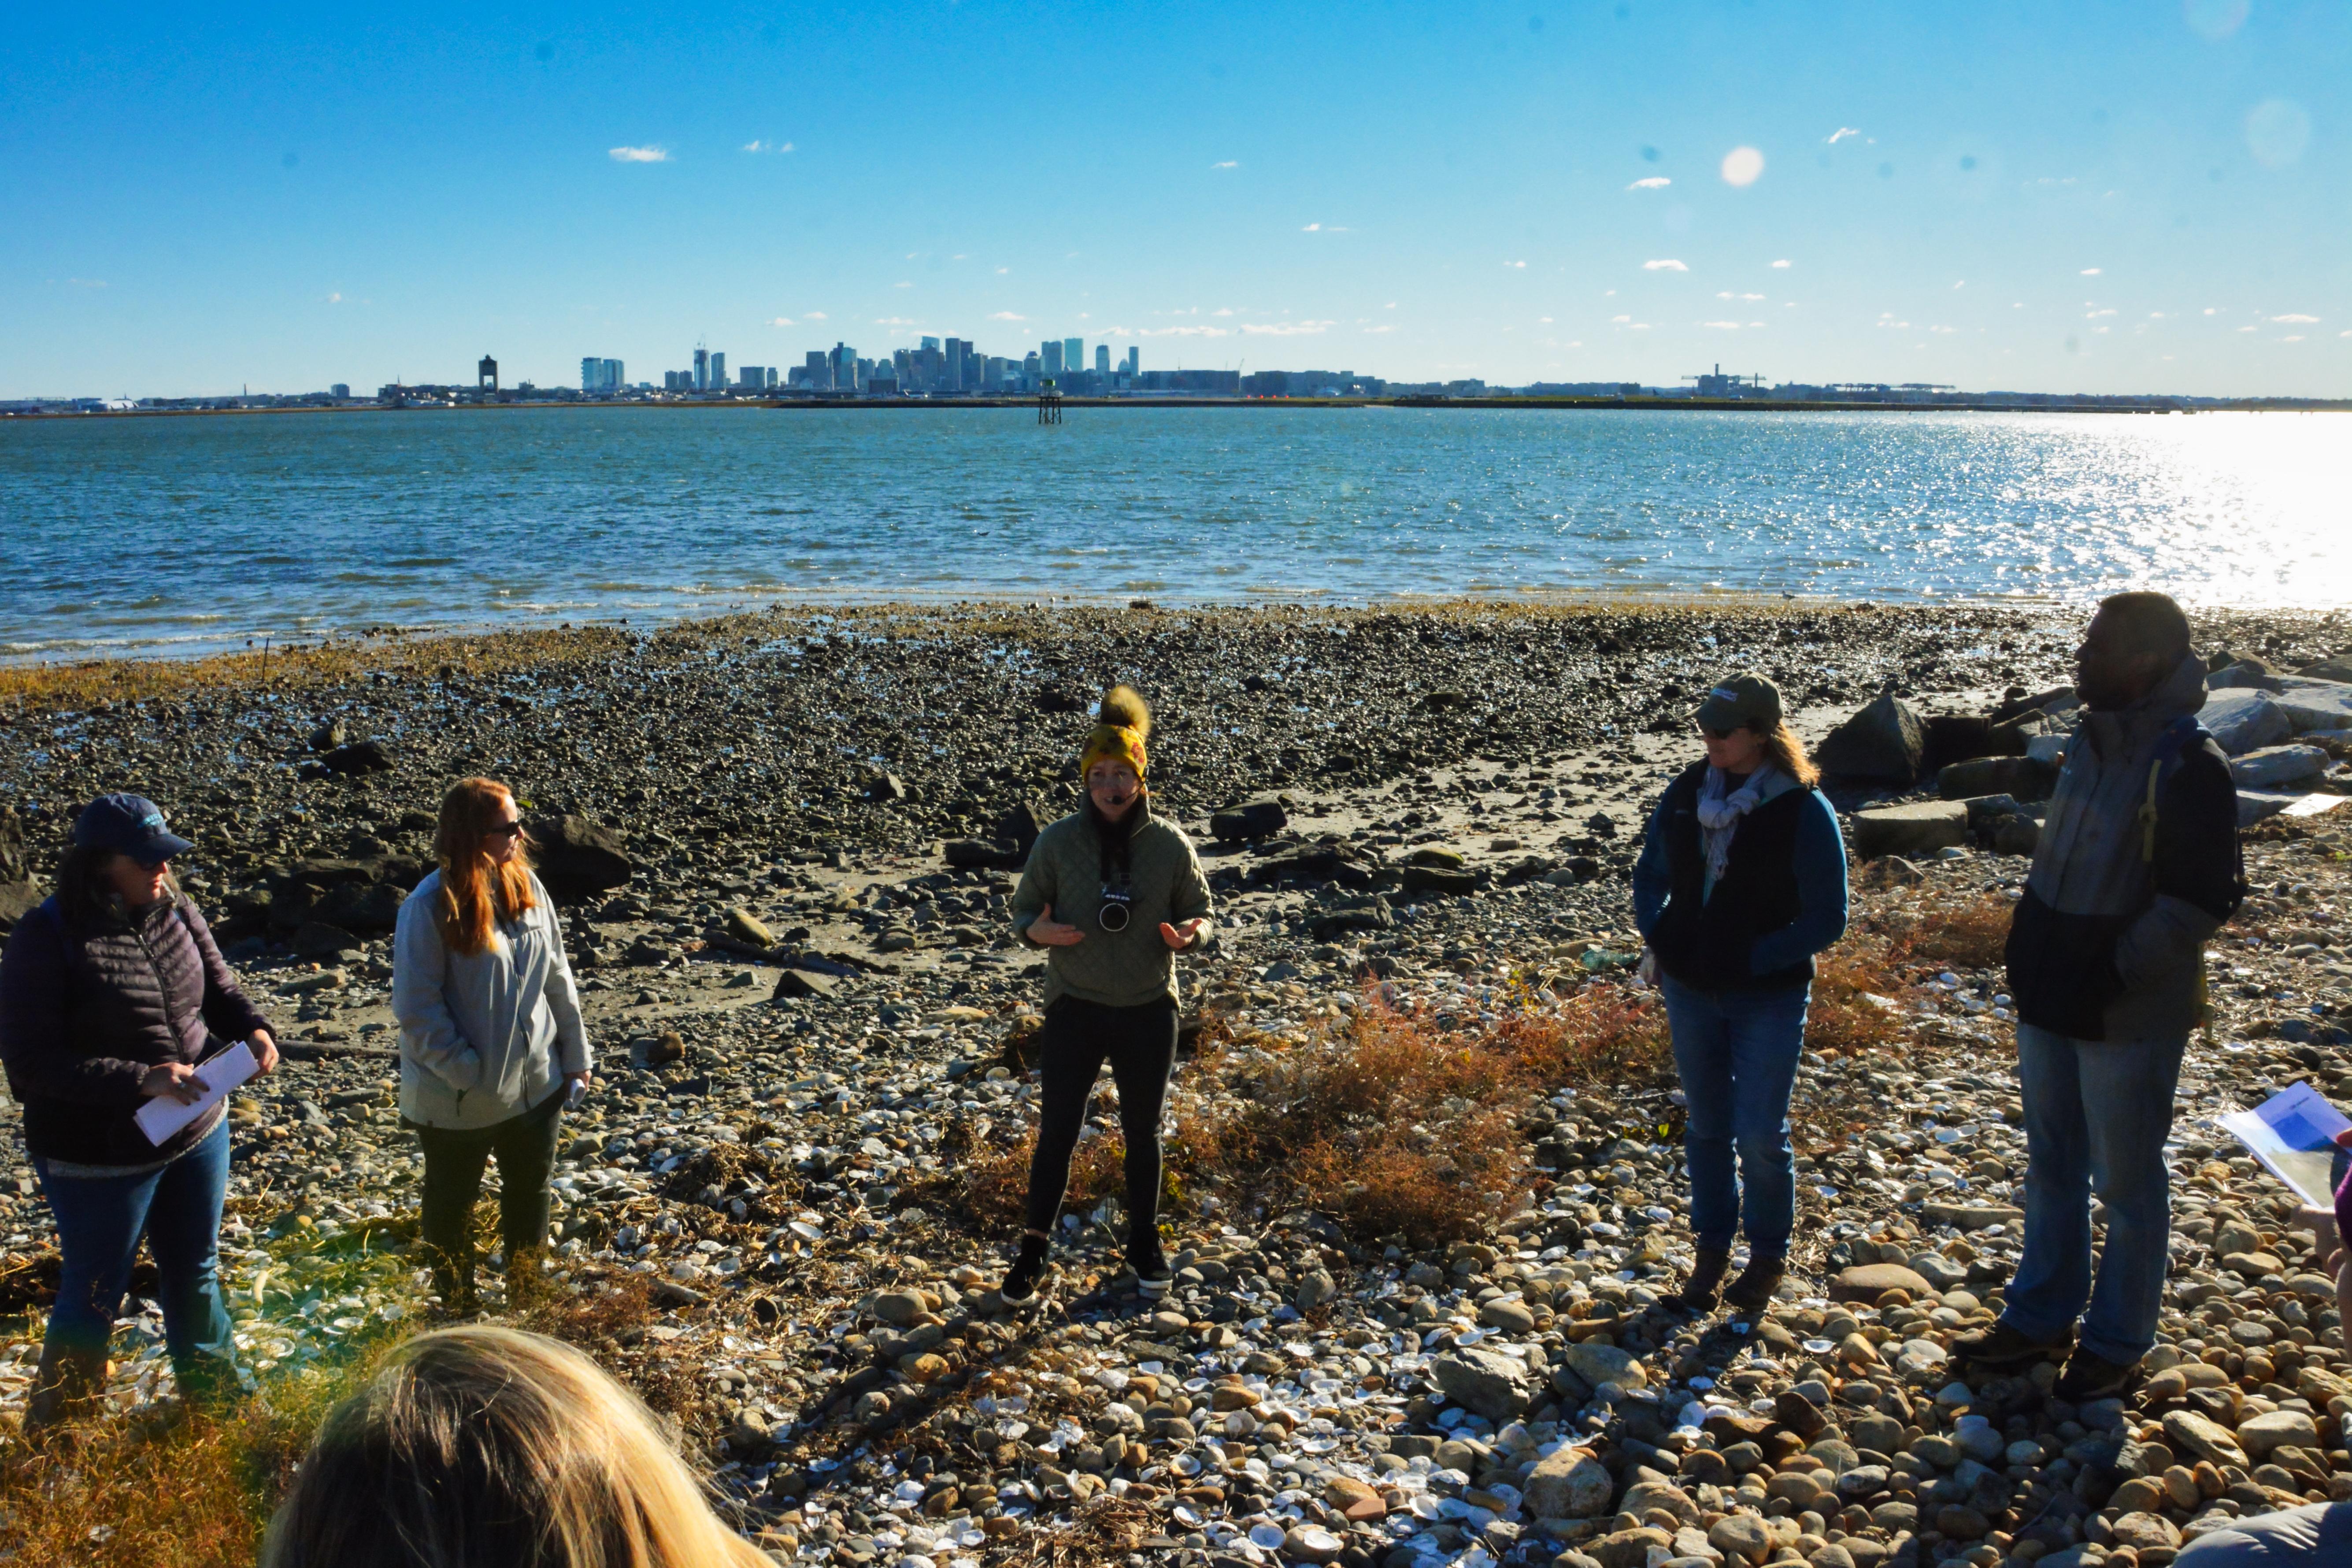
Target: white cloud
[1228,164]
[1310,228]
[1726,294]
[2094,315]
[756,145]
[1840,133]
[335,299]
[1620,319]
[1183,333]
[2295,321]
[1520,266]
[816,316]
[1943,328]
[2213,310]
[1389,306]
[2091,272]
[640,154]
[1961,284]
[1545,319]
[1654,183]
[1223,310]
[1006,316]
[1722,326]
[781,322]
[1742,166]
[1783,266]
[2249,329]
[902,283]
[1391,327]
[1667,266]
[893,321]
[1286,329]
[2292,338]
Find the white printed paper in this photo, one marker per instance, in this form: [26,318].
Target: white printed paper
[2293,1133]
[163,1116]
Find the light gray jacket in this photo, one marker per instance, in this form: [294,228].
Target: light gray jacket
[483,1037]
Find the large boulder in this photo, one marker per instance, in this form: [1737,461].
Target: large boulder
[1866,1282]
[1917,829]
[362,907]
[1256,819]
[2022,778]
[2244,720]
[1887,739]
[2315,704]
[1598,1364]
[18,900]
[578,858]
[2275,766]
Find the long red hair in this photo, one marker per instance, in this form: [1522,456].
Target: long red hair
[476,892]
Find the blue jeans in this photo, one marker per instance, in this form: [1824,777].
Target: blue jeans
[178,1210]
[1736,1054]
[2096,1115]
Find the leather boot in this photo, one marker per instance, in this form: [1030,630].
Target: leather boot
[65,1386]
[1752,1291]
[1705,1282]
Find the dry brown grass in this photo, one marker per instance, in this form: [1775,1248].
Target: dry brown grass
[1972,935]
[1843,1020]
[1390,1125]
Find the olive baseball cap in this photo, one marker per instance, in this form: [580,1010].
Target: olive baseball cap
[1740,700]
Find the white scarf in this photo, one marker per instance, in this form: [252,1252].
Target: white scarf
[1719,815]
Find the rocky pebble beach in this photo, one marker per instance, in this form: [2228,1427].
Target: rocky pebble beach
[785,845]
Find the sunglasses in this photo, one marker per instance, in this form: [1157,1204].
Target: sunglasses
[505,830]
[1716,734]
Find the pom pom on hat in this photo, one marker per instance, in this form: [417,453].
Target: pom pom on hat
[1123,722]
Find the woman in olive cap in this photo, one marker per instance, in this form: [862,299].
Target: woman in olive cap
[1112,893]
[1741,880]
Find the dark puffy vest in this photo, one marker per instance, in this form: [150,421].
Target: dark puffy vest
[1703,942]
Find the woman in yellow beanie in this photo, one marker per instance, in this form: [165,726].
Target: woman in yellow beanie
[1112,893]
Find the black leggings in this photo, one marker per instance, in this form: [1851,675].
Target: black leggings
[1140,1043]
[525,1148]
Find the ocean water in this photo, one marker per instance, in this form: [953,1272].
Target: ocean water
[185,535]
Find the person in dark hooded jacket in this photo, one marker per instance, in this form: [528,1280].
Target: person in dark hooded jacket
[2137,868]
[112,994]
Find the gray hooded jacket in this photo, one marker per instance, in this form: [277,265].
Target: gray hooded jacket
[2108,941]
[487,1036]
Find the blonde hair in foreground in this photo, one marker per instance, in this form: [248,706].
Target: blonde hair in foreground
[487,1447]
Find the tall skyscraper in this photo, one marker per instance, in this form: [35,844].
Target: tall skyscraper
[959,377]
[1051,352]
[718,372]
[817,371]
[844,364]
[1134,360]
[600,375]
[928,343]
[1074,355]
[1102,358]
[701,370]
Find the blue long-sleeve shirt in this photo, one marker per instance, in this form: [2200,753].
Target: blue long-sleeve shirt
[1821,871]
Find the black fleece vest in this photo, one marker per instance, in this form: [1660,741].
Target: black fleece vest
[1703,942]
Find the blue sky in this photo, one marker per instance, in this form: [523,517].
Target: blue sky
[2086,197]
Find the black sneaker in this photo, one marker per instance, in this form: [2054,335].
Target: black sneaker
[2089,1377]
[1019,1286]
[2004,1349]
[1152,1275]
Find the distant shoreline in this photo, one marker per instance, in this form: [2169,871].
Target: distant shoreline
[909,405]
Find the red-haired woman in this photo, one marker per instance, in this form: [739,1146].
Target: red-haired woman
[490,1039]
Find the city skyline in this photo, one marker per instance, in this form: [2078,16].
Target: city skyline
[2111,198]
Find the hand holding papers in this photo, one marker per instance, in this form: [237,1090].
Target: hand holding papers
[158,1119]
[2294,1132]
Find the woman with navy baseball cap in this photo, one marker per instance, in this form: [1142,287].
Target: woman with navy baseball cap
[112,994]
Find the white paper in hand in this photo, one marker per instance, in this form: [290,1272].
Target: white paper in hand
[2294,1132]
[161,1118]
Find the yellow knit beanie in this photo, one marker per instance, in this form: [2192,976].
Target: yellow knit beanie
[1123,723]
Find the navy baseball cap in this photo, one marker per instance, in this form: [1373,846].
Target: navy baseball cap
[129,825]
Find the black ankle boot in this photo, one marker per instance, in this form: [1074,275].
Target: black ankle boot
[1752,1291]
[1020,1286]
